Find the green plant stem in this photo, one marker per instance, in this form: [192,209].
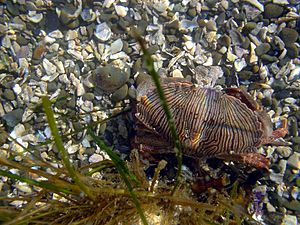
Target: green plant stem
[61,149]
[163,101]
[41,184]
[123,171]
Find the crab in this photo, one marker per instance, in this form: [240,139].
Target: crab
[227,124]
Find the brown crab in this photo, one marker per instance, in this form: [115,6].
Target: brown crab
[227,124]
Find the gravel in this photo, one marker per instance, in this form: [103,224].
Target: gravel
[82,55]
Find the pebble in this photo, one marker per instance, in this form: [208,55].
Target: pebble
[103,32]
[34,17]
[284,151]
[116,46]
[121,10]
[273,11]
[290,220]
[270,207]
[294,160]
[240,64]
[177,73]
[49,67]
[293,51]
[256,3]
[88,15]
[89,96]
[278,85]
[262,49]
[289,35]
[95,158]
[14,117]
[71,35]
[110,78]
[9,94]
[120,94]
[71,148]
[21,186]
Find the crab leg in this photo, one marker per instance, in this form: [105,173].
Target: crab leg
[282,131]
[253,159]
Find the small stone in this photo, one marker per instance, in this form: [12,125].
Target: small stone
[79,89]
[239,64]
[292,205]
[121,10]
[276,177]
[278,85]
[253,57]
[51,21]
[89,96]
[12,8]
[161,5]
[132,93]
[294,160]
[217,57]
[273,11]
[95,158]
[236,37]
[289,35]
[192,12]
[290,100]
[34,17]
[268,58]
[262,49]
[249,27]
[71,35]
[23,187]
[9,95]
[246,43]
[296,140]
[116,46]
[88,15]
[72,149]
[298,181]
[245,74]
[120,94]
[293,51]
[230,56]
[290,220]
[14,117]
[39,51]
[49,67]
[256,3]
[51,87]
[110,78]
[284,151]
[211,25]
[282,94]
[177,73]
[103,32]
[281,2]
[224,40]
[270,207]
